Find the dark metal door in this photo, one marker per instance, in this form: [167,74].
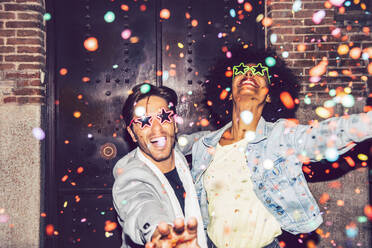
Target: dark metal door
[87,89]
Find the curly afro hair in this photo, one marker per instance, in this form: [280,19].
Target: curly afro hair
[219,81]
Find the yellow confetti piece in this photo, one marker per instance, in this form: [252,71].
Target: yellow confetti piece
[322,112]
[259,17]
[340,203]
[65,204]
[347,90]
[362,157]
[180,45]
[77,114]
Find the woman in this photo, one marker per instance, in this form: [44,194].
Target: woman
[248,174]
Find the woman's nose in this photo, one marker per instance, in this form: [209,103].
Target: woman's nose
[249,73]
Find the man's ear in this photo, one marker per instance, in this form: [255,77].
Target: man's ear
[175,127]
[130,131]
[268,98]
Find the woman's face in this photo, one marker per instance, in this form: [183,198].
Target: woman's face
[251,84]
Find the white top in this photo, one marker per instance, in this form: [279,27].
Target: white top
[192,208]
[238,219]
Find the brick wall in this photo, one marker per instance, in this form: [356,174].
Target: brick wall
[22,62]
[22,51]
[308,43]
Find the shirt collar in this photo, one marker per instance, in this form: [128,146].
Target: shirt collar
[213,138]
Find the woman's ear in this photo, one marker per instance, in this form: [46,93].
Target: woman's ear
[268,98]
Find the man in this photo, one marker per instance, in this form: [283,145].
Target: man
[248,174]
[153,186]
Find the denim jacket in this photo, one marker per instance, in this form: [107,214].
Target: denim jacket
[274,158]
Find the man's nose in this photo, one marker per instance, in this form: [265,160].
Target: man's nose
[156,125]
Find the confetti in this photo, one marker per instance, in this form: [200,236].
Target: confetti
[49,229]
[270,61]
[296,6]
[246,116]
[248,7]
[139,111]
[110,226]
[38,133]
[259,17]
[318,16]
[204,122]
[250,135]
[47,17]
[337,3]
[324,198]
[355,53]
[63,71]
[351,230]
[368,211]
[362,157]
[348,101]
[145,88]
[143,7]
[4,218]
[124,7]
[287,100]
[109,17]
[126,34]
[182,141]
[224,94]
[268,164]
[77,114]
[267,21]
[340,203]
[336,32]
[331,154]
[165,14]
[343,49]
[91,44]
[273,38]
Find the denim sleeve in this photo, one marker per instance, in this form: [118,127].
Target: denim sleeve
[138,207]
[186,141]
[337,134]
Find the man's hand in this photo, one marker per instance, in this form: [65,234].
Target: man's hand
[167,236]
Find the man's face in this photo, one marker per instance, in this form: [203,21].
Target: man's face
[251,83]
[154,129]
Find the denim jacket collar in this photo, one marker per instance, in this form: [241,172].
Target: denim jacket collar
[213,138]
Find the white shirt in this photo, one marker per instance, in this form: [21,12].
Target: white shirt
[192,208]
[238,219]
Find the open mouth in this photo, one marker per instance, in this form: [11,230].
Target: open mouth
[159,141]
[249,82]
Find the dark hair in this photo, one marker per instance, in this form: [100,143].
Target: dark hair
[144,90]
[282,79]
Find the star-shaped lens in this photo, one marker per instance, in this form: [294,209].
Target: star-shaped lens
[165,116]
[240,69]
[144,120]
[259,69]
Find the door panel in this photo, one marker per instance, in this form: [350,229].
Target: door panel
[89,131]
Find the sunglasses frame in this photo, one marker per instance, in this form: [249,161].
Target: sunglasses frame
[146,120]
[256,69]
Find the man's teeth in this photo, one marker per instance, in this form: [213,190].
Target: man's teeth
[160,141]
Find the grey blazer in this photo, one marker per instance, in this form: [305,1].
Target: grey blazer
[139,197]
